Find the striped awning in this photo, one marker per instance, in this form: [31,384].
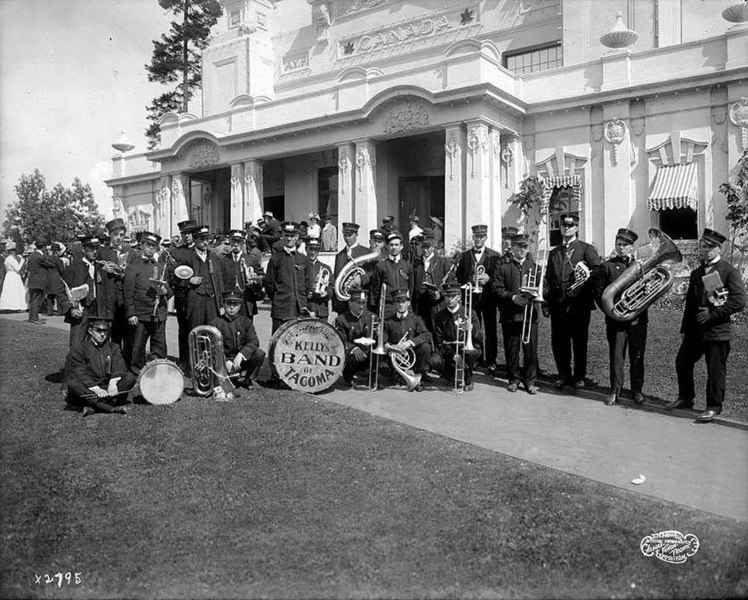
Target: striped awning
[572,181]
[675,186]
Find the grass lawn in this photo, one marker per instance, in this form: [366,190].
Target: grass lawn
[285,495]
[663,342]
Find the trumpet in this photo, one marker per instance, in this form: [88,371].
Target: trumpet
[110,266]
[321,282]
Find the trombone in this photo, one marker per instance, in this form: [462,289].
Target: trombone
[379,350]
[464,346]
[532,289]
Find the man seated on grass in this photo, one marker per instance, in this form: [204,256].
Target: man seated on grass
[241,346]
[99,378]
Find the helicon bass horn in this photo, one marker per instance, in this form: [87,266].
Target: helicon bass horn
[208,362]
[643,282]
[344,280]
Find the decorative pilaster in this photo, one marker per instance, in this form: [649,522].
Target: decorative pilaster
[618,193]
[478,182]
[163,207]
[365,204]
[346,184]
[253,190]
[180,200]
[454,185]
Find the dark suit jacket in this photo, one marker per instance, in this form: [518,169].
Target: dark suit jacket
[506,282]
[140,294]
[94,366]
[212,285]
[287,283]
[445,331]
[238,334]
[37,278]
[353,328]
[423,296]
[719,325]
[94,304]
[234,277]
[54,268]
[607,273]
[559,275]
[466,273]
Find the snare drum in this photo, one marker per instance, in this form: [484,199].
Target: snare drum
[161,382]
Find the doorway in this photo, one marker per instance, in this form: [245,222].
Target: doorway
[423,197]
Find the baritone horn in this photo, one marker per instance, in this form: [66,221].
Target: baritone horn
[643,282]
[208,362]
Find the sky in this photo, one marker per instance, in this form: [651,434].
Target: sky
[73,79]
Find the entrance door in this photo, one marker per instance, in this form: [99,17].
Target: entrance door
[423,197]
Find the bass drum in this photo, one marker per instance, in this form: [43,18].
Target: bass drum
[161,382]
[308,354]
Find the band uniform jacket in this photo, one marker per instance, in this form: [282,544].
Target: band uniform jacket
[719,325]
[319,303]
[466,271]
[506,282]
[37,275]
[341,258]
[396,275]
[559,276]
[234,277]
[92,366]
[610,270]
[181,254]
[352,328]
[239,335]
[434,274]
[287,283]
[141,295]
[395,328]
[445,331]
[99,290]
[122,258]
[212,283]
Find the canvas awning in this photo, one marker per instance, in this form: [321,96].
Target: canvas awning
[572,181]
[675,186]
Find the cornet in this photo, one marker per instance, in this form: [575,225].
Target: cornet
[581,275]
[321,282]
[480,271]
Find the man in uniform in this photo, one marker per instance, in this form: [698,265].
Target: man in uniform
[288,279]
[450,326]
[376,242]
[569,301]
[622,334]
[321,291]
[715,292]
[243,271]
[241,346]
[507,233]
[507,283]
[351,251]
[395,272]
[146,293]
[354,324]
[484,304]
[405,330]
[181,253]
[99,378]
[429,274]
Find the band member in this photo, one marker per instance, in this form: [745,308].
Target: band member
[99,378]
[513,307]
[429,273]
[182,253]
[477,265]
[715,292]
[351,251]
[243,271]
[146,294]
[569,301]
[322,283]
[450,326]
[241,346]
[116,257]
[376,242]
[203,289]
[288,279]
[507,233]
[354,324]
[395,272]
[623,334]
[405,330]
[388,226]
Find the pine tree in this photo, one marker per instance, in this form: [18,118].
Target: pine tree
[176,58]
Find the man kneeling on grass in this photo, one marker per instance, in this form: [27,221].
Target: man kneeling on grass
[99,378]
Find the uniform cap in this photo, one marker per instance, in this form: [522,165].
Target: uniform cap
[313,243]
[570,218]
[186,226]
[376,234]
[350,227]
[147,236]
[90,241]
[480,229]
[237,234]
[713,237]
[521,239]
[289,227]
[200,230]
[451,287]
[400,295]
[115,224]
[626,235]
[395,235]
[388,219]
[232,295]
[359,294]
[509,232]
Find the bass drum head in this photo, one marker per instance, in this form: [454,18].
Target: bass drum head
[161,382]
[308,354]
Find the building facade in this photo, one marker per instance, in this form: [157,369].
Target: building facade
[442,107]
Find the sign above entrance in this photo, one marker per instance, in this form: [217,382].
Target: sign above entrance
[409,31]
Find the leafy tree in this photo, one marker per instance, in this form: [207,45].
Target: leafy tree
[58,214]
[736,191]
[176,58]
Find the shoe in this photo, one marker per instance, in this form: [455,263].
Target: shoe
[579,385]
[679,403]
[120,410]
[87,410]
[418,388]
[707,416]
[559,383]
[638,397]
[532,389]
[512,387]
[491,371]
[611,399]
[468,387]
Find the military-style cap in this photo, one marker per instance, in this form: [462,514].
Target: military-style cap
[395,235]
[237,234]
[186,226]
[232,296]
[90,241]
[376,234]
[289,227]
[99,322]
[350,227]
[451,287]
[713,237]
[313,243]
[166,243]
[480,229]
[358,294]
[388,219]
[521,239]
[268,213]
[400,295]
[626,235]
[221,238]
[115,224]
[509,232]
[200,230]
[153,238]
[569,218]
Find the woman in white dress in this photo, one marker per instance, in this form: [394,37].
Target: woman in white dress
[14,292]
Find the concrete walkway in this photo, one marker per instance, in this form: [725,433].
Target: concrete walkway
[702,466]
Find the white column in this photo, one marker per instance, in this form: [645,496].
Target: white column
[180,199]
[478,181]
[163,204]
[365,203]
[496,174]
[253,190]
[346,169]
[454,185]
[617,201]
[236,218]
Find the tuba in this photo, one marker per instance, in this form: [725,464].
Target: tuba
[643,282]
[352,268]
[208,363]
